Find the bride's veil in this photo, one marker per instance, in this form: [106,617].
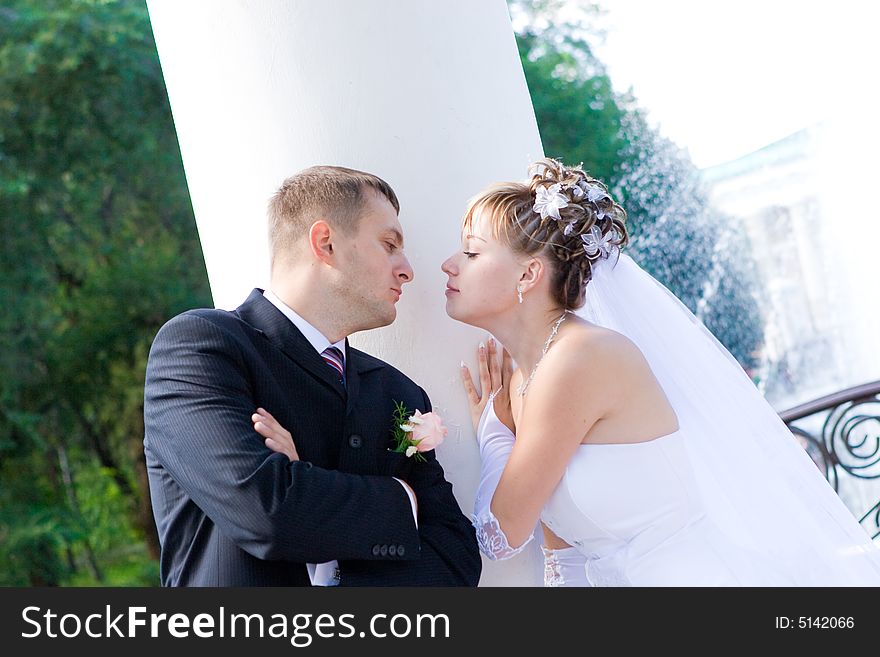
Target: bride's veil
[760,486]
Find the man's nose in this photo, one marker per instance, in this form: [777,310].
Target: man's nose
[405,271]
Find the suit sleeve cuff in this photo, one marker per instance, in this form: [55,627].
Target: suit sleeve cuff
[412,501]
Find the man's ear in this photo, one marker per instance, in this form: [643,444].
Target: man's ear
[532,275]
[321,241]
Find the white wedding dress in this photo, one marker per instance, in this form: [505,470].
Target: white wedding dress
[633,514]
[730,499]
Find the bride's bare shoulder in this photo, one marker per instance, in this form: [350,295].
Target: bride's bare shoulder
[595,367]
[586,341]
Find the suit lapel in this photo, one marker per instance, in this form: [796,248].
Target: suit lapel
[358,369]
[352,377]
[266,318]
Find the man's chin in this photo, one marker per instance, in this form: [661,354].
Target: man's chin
[390,316]
[379,320]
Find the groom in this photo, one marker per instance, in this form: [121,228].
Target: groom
[232,512]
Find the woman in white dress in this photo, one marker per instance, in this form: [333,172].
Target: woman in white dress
[627,430]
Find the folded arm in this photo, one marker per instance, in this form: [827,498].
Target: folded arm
[449,555]
[197,408]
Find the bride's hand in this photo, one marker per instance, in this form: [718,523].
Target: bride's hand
[278,439]
[494,377]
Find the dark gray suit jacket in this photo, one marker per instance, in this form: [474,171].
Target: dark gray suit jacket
[231,512]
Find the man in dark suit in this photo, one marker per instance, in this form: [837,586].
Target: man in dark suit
[232,512]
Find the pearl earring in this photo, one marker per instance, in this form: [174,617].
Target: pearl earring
[519,294]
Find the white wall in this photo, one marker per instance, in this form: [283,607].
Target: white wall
[428,95]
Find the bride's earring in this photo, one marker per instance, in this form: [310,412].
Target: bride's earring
[519,294]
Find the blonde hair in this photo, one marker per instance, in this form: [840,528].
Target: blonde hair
[333,193]
[508,210]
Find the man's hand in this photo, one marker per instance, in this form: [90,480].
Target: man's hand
[277,438]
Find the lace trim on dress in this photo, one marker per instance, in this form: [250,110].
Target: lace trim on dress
[552,569]
[565,567]
[492,539]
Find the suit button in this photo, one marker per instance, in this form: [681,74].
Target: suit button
[383,550]
[375,550]
[399,550]
[392,550]
[355,441]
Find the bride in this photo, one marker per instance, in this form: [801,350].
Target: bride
[632,435]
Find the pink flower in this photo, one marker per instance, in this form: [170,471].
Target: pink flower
[428,430]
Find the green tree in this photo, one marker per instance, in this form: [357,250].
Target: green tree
[99,249]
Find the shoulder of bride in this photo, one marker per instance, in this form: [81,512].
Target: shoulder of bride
[587,362]
[591,346]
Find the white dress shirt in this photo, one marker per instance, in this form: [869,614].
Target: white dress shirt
[323,574]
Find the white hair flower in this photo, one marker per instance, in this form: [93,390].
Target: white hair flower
[549,201]
[595,193]
[596,244]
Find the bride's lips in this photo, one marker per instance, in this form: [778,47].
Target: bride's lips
[450,290]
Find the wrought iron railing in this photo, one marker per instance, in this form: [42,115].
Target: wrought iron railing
[841,432]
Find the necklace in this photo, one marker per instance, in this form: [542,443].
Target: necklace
[521,388]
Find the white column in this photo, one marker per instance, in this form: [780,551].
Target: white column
[428,95]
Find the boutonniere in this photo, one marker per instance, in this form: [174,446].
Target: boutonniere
[416,433]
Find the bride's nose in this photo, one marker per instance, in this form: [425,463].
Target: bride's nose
[448,266]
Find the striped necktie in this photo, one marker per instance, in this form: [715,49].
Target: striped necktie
[333,357]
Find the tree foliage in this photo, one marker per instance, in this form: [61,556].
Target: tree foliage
[99,248]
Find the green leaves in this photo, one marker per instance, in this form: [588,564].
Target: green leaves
[99,248]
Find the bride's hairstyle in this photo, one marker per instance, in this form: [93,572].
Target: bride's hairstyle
[554,215]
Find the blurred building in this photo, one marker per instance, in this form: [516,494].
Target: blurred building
[776,192]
